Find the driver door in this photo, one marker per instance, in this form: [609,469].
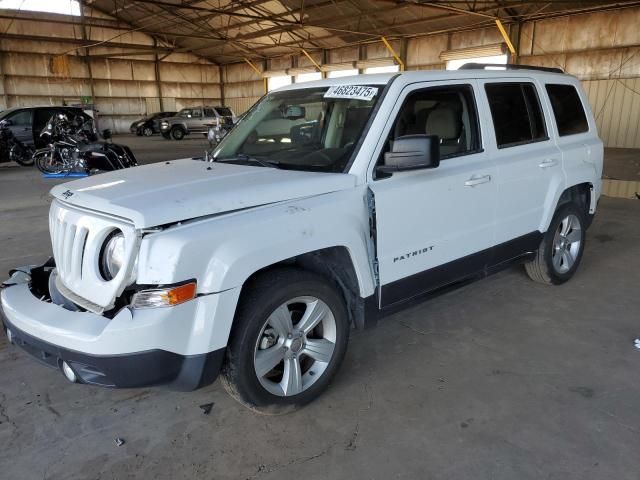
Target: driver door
[435,226]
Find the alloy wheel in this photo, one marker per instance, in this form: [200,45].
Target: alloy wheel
[295,346]
[566,243]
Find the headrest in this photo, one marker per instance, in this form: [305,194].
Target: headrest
[444,122]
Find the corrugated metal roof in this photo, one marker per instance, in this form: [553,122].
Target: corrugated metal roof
[227,31]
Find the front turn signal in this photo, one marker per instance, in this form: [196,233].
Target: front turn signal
[164,297]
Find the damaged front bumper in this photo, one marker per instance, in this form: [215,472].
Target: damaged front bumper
[122,351]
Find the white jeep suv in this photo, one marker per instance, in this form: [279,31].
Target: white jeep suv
[257,260]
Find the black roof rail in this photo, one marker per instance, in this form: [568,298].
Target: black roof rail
[508,66]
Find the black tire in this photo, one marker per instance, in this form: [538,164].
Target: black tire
[542,268]
[147,131]
[21,155]
[177,133]
[166,135]
[260,298]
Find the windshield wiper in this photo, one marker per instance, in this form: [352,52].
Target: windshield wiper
[243,157]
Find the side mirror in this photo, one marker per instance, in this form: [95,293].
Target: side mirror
[412,152]
[106,134]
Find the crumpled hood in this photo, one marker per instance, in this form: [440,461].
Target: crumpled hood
[168,192]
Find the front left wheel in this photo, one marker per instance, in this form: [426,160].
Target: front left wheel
[289,338]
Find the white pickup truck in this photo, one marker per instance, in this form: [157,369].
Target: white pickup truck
[258,260]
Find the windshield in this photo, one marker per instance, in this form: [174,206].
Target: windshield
[314,129]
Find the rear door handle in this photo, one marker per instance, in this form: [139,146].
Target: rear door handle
[473,181]
[548,163]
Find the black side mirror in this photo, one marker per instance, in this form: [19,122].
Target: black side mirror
[412,152]
[106,134]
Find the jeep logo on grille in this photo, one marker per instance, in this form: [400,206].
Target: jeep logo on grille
[67,194]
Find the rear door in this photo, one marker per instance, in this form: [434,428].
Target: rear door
[528,161]
[581,147]
[196,122]
[435,226]
[21,125]
[209,117]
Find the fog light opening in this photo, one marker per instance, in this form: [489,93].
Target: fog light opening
[69,373]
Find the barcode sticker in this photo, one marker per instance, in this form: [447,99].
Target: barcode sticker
[356,92]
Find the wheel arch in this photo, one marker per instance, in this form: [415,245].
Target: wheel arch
[336,265]
[582,194]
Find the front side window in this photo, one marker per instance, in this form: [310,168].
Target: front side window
[567,109]
[516,113]
[448,112]
[186,112]
[313,129]
[208,112]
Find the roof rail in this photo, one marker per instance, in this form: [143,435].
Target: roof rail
[508,66]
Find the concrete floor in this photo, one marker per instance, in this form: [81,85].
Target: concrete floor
[622,164]
[503,379]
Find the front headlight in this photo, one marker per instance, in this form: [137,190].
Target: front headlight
[112,255]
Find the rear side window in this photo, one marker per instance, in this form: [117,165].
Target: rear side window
[21,118]
[567,109]
[224,111]
[516,112]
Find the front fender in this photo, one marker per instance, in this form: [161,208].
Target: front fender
[221,252]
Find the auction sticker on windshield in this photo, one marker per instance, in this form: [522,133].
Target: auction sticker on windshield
[356,92]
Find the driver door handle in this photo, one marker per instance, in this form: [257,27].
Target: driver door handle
[550,162]
[473,181]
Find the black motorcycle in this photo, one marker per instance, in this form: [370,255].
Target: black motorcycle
[12,149]
[73,147]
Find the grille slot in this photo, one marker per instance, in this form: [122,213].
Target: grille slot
[68,242]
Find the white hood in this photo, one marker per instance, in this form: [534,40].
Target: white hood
[168,192]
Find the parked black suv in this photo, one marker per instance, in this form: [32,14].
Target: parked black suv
[150,124]
[26,123]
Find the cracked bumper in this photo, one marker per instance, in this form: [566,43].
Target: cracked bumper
[134,348]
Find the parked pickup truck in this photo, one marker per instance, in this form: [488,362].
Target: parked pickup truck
[196,120]
[258,262]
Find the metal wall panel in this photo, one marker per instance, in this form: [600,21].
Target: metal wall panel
[616,106]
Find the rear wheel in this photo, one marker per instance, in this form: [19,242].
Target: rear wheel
[22,155]
[562,246]
[289,338]
[177,133]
